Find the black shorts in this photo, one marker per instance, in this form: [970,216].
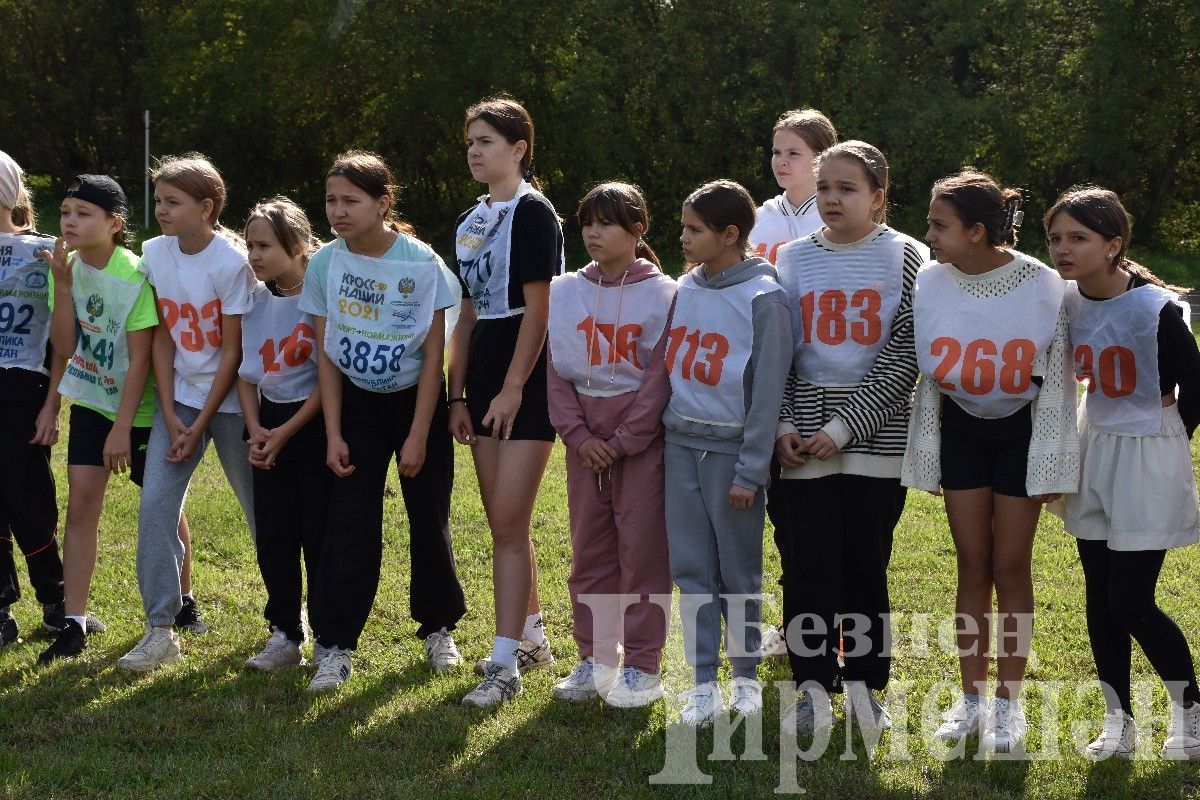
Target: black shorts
[533,417]
[85,445]
[985,453]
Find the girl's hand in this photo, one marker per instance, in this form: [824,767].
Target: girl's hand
[259,435]
[412,456]
[820,446]
[460,424]
[337,457]
[45,429]
[185,444]
[118,452]
[502,412]
[597,454]
[1045,498]
[59,265]
[740,498]
[789,450]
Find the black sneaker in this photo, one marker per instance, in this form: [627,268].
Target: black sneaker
[54,616]
[188,618]
[8,629]
[69,642]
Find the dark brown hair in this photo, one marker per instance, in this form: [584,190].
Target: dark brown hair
[977,198]
[512,121]
[290,225]
[873,163]
[722,203]
[810,125]
[1101,211]
[621,204]
[368,172]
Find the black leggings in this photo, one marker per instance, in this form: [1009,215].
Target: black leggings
[1120,608]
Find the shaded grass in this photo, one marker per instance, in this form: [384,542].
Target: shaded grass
[208,728]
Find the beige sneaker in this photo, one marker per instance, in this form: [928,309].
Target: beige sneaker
[498,686]
[278,653]
[530,656]
[159,646]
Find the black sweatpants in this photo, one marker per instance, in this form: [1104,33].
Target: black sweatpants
[837,547]
[1121,608]
[291,512]
[28,508]
[375,426]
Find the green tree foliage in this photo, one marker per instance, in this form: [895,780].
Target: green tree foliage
[665,93]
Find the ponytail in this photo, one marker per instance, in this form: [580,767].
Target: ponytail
[23,215]
[644,250]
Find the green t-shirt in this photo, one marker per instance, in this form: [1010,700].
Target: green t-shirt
[143,314]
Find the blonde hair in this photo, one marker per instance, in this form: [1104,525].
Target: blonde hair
[195,175]
[810,125]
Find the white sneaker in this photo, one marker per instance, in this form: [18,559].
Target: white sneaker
[1005,728]
[441,652]
[773,643]
[857,694]
[746,697]
[962,720]
[530,656]
[1183,735]
[332,671]
[809,715]
[1117,738]
[498,686]
[319,652]
[279,652]
[586,681]
[702,704]
[634,689]
[159,646]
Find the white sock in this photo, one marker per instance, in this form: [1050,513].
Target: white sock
[188,595]
[534,631]
[504,653]
[82,622]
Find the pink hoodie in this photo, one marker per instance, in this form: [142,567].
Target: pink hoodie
[628,422]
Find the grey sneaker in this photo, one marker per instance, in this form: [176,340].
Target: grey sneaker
[530,656]
[773,643]
[159,646]
[634,689]
[745,697]
[498,686]
[857,694]
[1117,738]
[964,719]
[810,714]
[702,704]
[581,684]
[332,671]
[441,652]
[278,653]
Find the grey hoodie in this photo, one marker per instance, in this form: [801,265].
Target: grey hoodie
[763,382]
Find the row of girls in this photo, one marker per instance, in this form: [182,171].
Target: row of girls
[801,358]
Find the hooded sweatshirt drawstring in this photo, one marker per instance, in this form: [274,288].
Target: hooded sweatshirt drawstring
[594,340]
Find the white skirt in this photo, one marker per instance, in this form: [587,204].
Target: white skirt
[1135,492]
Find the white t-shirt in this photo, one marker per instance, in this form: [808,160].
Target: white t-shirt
[778,222]
[194,291]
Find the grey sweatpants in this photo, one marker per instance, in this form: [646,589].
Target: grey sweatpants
[714,550]
[159,551]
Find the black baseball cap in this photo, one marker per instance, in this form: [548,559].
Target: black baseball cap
[101,190]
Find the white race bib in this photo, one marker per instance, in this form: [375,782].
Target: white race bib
[379,315]
[601,338]
[24,302]
[982,351]
[96,372]
[777,223]
[1115,347]
[708,347]
[842,306]
[278,346]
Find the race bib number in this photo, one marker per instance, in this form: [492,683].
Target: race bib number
[198,329]
[977,367]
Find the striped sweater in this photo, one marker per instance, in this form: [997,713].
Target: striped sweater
[868,421]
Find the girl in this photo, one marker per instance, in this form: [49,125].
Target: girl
[204,285]
[607,389]
[993,429]
[842,432]
[378,295]
[799,136]
[277,387]
[28,410]
[726,385]
[508,248]
[1137,495]
[104,315]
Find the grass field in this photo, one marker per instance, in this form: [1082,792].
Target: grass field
[208,728]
